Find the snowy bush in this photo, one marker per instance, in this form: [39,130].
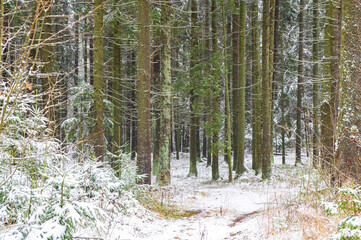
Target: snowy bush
[44,193]
[349,204]
[330,208]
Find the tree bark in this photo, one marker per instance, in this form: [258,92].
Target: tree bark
[241,121]
[235,82]
[117,95]
[156,76]
[144,147]
[256,90]
[98,81]
[330,86]
[266,98]
[216,93]
[228,107]
[315,75]
[193,92]
[47,59]
[163,176]
[299,86]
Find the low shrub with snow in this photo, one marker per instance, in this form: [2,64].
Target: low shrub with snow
[349,204]
[44,193]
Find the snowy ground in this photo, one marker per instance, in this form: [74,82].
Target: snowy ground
[248,208]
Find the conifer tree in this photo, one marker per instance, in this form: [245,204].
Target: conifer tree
[242,89]
[256,91]
[228,148]
[144,146]
[315,76]
[47,60]
[163,175]
[235,81]
[215,92]
[266,98]
[193,91]
[330,86]
[98,81]
[117,86]
[299,86]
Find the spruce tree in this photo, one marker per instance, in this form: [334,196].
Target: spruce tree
[193,91]
[266,97]
[144,147]
[98,81]
[163,175]
[256,91]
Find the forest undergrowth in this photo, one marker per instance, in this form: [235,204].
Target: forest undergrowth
[52,191]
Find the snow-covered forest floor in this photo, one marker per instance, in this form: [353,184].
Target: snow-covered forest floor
[285,207]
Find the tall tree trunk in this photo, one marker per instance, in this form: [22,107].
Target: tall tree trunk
[193,92]
[216,93]
[47,59]
[117,94]
[133,108]
[177,131]
[91,55]
[235,82]
[241,121]
[315,76]
[1,37]
[208,98]
[266,98]
[330,86]
[228,43]
[276,67]
[299,86]
[283,98]
[271,69]
[228,107]
[85,53]
[156,75]
[76,57]
[349,116]
[163,176]
[144,147]
[256,90]
[98,81]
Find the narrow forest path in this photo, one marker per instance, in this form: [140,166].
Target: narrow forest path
[284,207]
[245,209]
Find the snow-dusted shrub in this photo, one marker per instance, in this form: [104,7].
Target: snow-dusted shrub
[330,208]
[44,193]
[349,204]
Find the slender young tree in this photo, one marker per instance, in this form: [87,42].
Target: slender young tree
[283,96]
[193,91]
[299,85]
[163,176]
[47,59]
[1,34]
[266,98]
[276,63]
[91,55]
[98,81]
[256,90]
[144,147]
[315,75]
